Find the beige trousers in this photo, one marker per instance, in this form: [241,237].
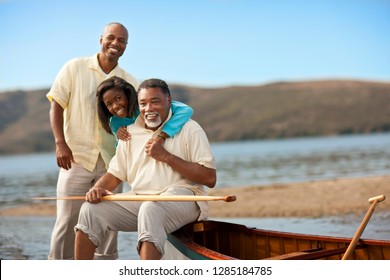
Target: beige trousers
[77,181]
[152,220]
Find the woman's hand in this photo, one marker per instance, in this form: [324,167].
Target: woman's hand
[123,134]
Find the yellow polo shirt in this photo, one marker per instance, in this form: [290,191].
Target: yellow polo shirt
[75,90]
[149,176]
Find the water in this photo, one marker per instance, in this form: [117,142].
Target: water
[303,159]
[238,163]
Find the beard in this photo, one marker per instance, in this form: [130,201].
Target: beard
[153,123]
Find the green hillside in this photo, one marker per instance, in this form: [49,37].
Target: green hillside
[277,110]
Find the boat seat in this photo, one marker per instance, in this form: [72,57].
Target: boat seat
[289,256]
[313,254]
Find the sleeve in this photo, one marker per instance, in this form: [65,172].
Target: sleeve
[198,147]
[62,85]
[118,164]
[116,123]
[181,113]
[200,151]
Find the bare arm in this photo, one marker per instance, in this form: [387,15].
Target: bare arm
[192,171]
[63,152]
[102,187]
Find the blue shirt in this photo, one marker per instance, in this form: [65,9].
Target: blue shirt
[181,113]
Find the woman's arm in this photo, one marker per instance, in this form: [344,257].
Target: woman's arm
[181,113]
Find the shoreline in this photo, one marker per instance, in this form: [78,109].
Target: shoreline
[307,199]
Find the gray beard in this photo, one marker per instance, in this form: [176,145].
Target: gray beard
[153,124]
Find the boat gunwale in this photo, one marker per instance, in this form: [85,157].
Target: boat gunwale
[211,254]
[318,237]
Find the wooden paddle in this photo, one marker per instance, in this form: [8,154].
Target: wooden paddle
[121,197]
[352,245]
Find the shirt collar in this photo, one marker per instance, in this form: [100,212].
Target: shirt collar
[94,64]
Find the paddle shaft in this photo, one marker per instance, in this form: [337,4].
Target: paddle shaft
[352,245]
[228,198]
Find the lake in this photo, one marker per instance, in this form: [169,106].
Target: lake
[238,163]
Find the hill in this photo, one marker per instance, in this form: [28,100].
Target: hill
[278,110]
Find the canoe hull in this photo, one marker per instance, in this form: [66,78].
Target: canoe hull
[214,240]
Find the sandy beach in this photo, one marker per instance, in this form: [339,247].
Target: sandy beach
[308,199]
[329,207]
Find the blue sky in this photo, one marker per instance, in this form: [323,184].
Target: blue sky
[206,43]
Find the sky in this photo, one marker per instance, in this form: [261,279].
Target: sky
[203,43]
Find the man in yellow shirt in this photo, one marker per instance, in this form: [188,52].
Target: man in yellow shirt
[83,148]
[183,165]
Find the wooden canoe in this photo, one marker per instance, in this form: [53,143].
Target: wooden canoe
[215,240]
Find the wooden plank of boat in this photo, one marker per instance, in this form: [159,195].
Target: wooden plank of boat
[217,240]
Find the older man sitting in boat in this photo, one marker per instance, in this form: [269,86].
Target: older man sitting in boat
[182,165]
